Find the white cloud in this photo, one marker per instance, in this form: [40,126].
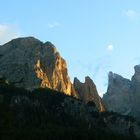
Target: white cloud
[53,24]
[8,32]
[132,14]
[110,47]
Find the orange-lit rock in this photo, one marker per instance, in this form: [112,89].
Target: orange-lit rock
[87,92]
[30,63]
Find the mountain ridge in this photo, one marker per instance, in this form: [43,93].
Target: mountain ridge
[123,94]
[36,93]
[27,62]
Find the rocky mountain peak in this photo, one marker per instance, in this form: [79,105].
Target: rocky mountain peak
[136,76]
[115,79]
[50,47]
[118,92]
[87,92]
[123,94]
[88,80]
[137,69]
[76,79]
[113,76]
[24,42]
[30,63]
[135,84]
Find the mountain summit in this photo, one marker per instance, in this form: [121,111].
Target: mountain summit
[30,63]
[123,95]
[87,92]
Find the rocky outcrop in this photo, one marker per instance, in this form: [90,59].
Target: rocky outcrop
[87,92]
[136,91]
[119,94]
[123,95]
[30,63]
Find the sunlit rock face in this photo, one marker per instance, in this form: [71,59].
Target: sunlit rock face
[119,94]
[30,63]
[87,92]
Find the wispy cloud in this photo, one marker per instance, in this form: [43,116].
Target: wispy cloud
[53,24]
[110,47]
[103,64]
[100,73]
[131,14]
[97,71]
[8,32]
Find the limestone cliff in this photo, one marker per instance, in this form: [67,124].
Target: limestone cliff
[136,91]
[87,92]
[119,94]
[30,63]
[123,95]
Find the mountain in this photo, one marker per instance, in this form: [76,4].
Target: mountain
[118,97]
[123,95]
[136,91]
[30,63]
[38,100]
[87,92]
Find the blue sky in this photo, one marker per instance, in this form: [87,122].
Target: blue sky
[94,36]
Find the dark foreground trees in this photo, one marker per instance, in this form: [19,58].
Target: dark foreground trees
[44,120]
